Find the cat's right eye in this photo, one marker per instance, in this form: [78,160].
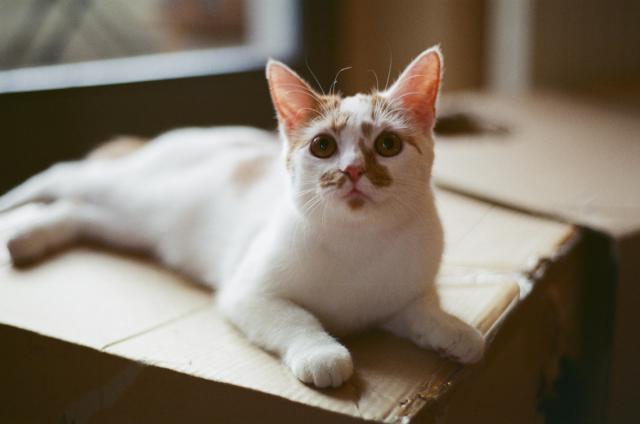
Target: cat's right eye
[323,146]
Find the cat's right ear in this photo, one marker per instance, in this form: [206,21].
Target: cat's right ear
[417,88]
[295,101]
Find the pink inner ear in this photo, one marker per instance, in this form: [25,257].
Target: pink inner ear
[293,99]
[417,88]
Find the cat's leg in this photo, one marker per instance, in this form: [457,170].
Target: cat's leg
[62,223]
[45,231]
[46,186]
[293,333]
[425,323]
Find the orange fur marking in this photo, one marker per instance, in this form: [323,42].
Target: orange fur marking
[355,203]
[377,174]
[367,128]
[412,141]
[117,147]
[249,171]
[332,178]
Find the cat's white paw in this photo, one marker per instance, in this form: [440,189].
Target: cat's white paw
[26,247]
[326,365]
[455,340]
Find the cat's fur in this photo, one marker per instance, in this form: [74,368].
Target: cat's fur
[295,254]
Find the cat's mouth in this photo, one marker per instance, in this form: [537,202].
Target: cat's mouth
[356,197]
[355,193]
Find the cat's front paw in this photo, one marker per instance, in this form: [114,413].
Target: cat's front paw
[326,365]
[454,340]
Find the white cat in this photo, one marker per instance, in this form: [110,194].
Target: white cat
[330,231]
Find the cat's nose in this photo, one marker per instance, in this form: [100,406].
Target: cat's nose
[354,172]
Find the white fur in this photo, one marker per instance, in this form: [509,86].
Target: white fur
[291,261]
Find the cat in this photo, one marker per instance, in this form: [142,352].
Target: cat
[329,231]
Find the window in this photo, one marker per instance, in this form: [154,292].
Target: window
[48,44]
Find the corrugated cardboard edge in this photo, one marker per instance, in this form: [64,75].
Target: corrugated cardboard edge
[440,384]
[125,380]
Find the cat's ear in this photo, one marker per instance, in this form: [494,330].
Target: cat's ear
[295,101]
[417,88]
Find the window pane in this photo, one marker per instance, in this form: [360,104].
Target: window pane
[205,37]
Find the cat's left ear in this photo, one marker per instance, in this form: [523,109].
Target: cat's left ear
[416,90]
[295,101]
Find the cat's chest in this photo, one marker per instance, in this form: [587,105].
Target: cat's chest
[361,270]
[347,289]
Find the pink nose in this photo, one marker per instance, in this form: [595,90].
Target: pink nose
[354,172]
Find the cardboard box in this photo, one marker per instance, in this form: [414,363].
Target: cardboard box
[576,162]
[94,336]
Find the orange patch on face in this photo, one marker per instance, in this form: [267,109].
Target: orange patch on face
[328,103]
[412,141]
[355,203]
[367,128]
[378,174]
[338,122]
[332,178]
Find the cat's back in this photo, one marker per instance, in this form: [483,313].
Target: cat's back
[234,168]
[193,146]
[204,192]
[196,161]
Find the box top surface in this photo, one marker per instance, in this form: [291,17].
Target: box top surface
[574,160]
[135,309]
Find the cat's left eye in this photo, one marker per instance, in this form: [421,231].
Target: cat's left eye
[323,146]
[388,144]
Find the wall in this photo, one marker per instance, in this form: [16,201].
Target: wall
[373,31]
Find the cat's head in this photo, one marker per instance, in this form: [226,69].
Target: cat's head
[361,157]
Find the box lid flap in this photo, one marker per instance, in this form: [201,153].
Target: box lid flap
[559,157]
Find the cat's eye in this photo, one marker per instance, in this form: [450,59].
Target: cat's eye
[323,146]
[388,144]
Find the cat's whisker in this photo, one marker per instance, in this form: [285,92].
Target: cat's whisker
[335,80]
[304,191]
[376,77]
[324,210]
[310,204]
[413,210]
[314,76]
[312,208]
[298,90]
[413,93]
[317,114]
[304,194]
[301,87]
[386,84]
[415,76]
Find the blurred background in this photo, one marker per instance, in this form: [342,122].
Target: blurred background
[75,72]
